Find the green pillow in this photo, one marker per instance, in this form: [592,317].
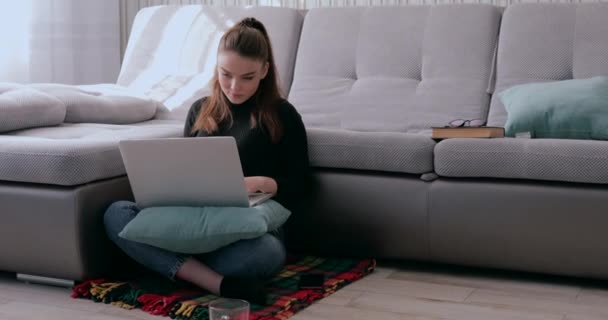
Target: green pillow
[203,229]
[570,109]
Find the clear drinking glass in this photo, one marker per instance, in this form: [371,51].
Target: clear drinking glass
[229,309]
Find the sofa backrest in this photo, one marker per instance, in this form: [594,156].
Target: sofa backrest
[394,68]
[172,50]
[549,42]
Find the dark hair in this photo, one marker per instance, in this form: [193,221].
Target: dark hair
[248,38]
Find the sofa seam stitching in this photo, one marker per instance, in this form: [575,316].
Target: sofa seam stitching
[527,153]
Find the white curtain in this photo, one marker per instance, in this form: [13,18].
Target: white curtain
[60,41]
[14,39]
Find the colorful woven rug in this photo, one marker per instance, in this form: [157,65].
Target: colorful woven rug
[179,300]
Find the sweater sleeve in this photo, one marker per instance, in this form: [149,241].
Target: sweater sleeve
[191,118]
[294,178]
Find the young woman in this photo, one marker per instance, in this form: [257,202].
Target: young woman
[245,103]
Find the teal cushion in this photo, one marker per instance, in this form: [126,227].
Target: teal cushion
[198,230]
[570,109]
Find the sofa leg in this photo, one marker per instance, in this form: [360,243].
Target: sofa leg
[28,278]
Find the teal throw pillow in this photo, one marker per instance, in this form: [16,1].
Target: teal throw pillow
[196,230]
[570,109]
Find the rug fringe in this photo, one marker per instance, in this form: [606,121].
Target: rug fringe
[183,310]
[130,297]
[157,304]
[83,290]
[123,305]
[108,292]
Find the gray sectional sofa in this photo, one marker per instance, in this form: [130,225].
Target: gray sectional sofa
[369,83]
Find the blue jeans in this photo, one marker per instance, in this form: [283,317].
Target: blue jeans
[261,257]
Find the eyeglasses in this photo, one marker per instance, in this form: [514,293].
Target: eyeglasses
[459,123]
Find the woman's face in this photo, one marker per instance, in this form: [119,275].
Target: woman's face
[239,76]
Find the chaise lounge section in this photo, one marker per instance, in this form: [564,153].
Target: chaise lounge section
[56,181]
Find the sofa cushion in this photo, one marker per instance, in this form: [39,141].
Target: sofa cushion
[172,50]
[22,107]
[72,154]
[380,151]
[394,68]
[535,159]
[101,103]
[549,42]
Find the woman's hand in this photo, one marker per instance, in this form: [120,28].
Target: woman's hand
[260,183]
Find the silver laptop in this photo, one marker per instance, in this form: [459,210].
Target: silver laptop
[203,171]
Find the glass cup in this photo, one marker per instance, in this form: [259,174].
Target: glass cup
[229,309]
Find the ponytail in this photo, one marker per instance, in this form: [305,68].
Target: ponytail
[248,38]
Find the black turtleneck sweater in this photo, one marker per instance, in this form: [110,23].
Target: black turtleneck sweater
[286,161]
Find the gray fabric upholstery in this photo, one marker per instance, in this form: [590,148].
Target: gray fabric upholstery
[379,151]
[22,107]
[394,69]
[72,154]
[540,227]
[58,232]
[353,213]
[533,159]
[172,50]
[103,103]
[548,42]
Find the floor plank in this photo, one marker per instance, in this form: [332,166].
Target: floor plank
[538,303]
[492,281]
[445,309]
[14,290]
[331,312]
[342,297]
[382,272]
[135,314]
[27,311]
[593,297]
[413,288]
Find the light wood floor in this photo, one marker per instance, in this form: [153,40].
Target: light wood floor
[420,292]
